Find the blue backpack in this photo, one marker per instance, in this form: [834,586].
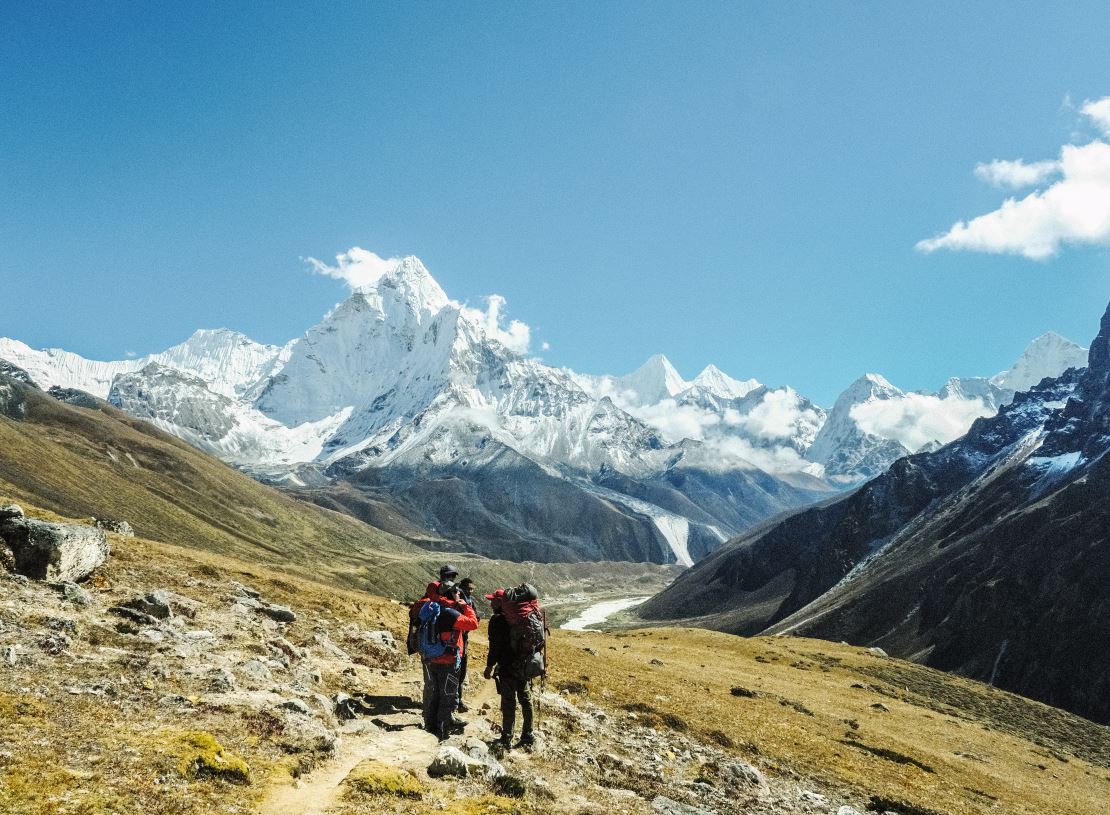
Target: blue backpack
[427,638]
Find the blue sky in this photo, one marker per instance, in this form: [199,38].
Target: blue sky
[741,184]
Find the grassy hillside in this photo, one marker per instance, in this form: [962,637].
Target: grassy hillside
[627,717]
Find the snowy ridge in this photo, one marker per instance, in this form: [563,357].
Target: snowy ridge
[400,375]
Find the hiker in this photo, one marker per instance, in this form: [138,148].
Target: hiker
[443,621]
[466,591]
[447,573]
[517,636]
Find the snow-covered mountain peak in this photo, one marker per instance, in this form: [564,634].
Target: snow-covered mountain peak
[653,381]
[1048,355]
[406,287]
[869,386]
[717,382]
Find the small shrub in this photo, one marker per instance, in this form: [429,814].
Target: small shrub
[719,738]
[674,722]
[510,785]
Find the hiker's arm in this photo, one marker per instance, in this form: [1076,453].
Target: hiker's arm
[467,621]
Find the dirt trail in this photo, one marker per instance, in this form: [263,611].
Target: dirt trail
[411,748]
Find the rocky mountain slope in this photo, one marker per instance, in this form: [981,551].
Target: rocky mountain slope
[175,680]
[417,403]
[986,557]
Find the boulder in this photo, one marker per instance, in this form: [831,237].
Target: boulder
[72,593]
[742,775]
[118,527]
[52,552]
[220,680]
[304,734]
[155,603]
[474,760]
[449,761]
[140,617]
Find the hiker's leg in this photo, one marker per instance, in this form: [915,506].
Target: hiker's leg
[508,708]
[448,697]
[524,694]
[429,701]
[462,679]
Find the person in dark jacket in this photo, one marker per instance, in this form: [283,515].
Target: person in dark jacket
[466,593]
[502,666]
[441,679]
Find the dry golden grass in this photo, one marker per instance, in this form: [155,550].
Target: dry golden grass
[943,744]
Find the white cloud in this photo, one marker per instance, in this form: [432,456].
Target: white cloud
[516,336]
[1073,210]
[1099,112]
[733,439]
[130,354]
[1016,174]
[357,267]
[917,419]
[776,417]
[676,422]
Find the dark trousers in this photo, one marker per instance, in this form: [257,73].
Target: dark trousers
[441,688]
[462,676]
[512,691]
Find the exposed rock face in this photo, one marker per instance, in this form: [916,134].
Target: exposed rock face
[987,557]
[16,373]
[75,397]
[52,552]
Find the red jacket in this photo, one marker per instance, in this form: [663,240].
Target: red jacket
[466,621]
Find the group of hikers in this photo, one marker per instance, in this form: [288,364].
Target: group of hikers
[439,626]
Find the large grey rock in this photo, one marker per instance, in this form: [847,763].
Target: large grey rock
[53,552]
[119,527]
[302,733]
[742,775]
[450,761]
[475,760]
[72,593]
[155,603]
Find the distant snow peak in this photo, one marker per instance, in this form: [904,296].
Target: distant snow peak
[1048,355]
[653,381]
[716,381]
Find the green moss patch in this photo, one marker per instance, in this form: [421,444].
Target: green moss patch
[203,757]
[372,777]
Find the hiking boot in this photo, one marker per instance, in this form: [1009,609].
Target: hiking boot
[527,741]
[455,726]
[462,708]
[502,746]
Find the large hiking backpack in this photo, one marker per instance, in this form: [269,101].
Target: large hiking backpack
[527,636]
[427,637]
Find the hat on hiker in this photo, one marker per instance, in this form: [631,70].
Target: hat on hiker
[497,595]
[447,571]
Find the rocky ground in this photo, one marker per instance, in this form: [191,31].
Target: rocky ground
[176,681]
